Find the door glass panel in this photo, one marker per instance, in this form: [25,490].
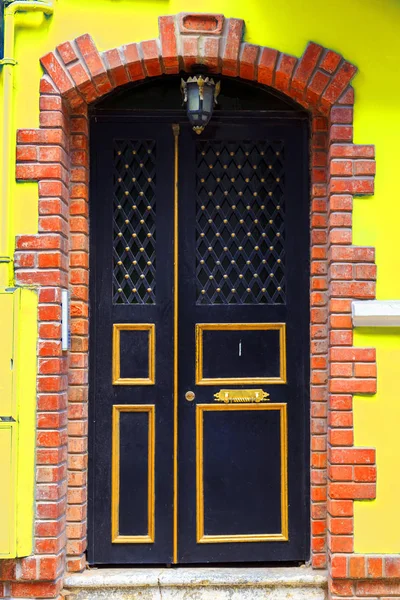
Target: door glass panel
[240,228]
[134,234]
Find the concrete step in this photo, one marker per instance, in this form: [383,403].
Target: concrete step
[203,583]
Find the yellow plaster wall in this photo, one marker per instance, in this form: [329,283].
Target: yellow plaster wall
[366,33]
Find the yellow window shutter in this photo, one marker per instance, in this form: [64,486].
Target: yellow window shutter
[18,334]
[7,429]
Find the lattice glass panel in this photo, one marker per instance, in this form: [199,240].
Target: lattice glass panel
[134,234]
[240,229]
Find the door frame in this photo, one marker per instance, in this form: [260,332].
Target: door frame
[64,105]
[176,118]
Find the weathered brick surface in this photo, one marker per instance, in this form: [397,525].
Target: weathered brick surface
[56,155]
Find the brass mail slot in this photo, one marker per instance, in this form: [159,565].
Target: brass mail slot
[229,396]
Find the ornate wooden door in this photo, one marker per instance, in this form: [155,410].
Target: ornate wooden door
[199,346]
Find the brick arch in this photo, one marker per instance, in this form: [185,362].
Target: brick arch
[56,155]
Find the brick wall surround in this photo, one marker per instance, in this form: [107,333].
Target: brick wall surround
[56,156]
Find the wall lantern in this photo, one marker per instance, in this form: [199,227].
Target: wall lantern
[199,94]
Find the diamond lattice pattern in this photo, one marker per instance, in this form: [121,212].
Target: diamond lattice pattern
[134,235]
[240,233]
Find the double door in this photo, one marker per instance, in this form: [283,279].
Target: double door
[198,342]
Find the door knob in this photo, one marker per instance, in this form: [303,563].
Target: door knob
[190,396]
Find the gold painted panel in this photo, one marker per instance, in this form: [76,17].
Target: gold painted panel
[116,356]
[281,536]
[201,327]
[116,538]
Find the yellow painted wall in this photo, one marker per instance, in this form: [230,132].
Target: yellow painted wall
[366,33]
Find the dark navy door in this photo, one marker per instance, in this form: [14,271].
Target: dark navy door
[199,345]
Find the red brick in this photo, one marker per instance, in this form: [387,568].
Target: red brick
[284,70]
[352,151]
[341,167]
[341,219]
[230,58]
[330,61]
[339,83]
[83,82]
[67,53]
[341,437]
[341,322]
[340,508]
[211,54]
[133,62]
[341,271]
[94,63]
[366,474]
[319,123]
[169,49]
[50,103]
[341,543]
[266,66]
[341,402]
[46,86]
[392,566]
[339,566]
[248,61]
[57,73]
[341,203]
[365,370]
[352,254]
[341,133]
[374,567]
[116,67]
[356,289]
[364,167]
[342,473]
[353,456]
[340,236]
[357,567]
[353,386]
[151,58]
[35,590]
[341,526]
[40,136]
[26,153]
[318,460]
[341,114]
[317,85]
[34,172]
[306,66]
[341,338]
[190,51]
[365,272]
[347,97]
[378,588]
[341,419]
[49,313]
[341,588]
[339,305]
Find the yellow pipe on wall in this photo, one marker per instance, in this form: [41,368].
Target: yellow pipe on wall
[8,63]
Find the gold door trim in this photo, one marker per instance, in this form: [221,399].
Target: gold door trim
[175,130]
[116,538]
[201,327]
[281,536]
[116,354]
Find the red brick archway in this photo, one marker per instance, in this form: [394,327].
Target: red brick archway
[56,155]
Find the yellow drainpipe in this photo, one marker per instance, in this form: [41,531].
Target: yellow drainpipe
[8,151]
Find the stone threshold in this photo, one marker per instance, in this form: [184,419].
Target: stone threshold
[278,583]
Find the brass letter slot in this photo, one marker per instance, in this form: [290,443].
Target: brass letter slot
[229,396]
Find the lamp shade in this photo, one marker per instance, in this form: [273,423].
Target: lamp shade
[199,94]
